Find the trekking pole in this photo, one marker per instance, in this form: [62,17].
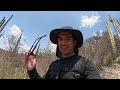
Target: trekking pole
[3,25]
[35,44]
[2,21]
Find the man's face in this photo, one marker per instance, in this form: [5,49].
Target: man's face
[66,43]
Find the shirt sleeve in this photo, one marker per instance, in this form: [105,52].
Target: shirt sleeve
[48,74]
[33,74]
[91,71]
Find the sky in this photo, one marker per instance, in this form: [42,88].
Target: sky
[34,24]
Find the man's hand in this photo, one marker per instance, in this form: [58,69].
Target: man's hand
[30,60]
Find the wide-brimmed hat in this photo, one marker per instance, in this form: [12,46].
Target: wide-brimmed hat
[75,32]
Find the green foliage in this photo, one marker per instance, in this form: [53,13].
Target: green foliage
[107,60]
[117,60]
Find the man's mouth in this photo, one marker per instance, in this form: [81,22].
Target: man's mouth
[64,48]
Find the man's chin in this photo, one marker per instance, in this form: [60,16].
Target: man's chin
[65,53]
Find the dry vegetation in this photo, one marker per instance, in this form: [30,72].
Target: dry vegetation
[98,49]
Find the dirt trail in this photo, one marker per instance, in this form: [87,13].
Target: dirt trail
[112,72]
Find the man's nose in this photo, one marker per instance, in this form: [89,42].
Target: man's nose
[64,42]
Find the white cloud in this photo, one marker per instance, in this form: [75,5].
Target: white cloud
[89,21]
[15,30]
[24,45]
[52,46]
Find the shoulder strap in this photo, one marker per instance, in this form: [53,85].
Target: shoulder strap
[80,65]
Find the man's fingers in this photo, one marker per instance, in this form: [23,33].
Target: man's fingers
[27,52]
[34,61]
[30,57]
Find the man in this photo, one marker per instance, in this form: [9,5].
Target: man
[70,65]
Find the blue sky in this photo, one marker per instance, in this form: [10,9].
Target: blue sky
[38,23]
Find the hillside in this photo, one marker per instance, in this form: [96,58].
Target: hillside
[97,49]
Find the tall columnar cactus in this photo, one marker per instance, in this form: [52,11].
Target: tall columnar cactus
[115,24]
[111,36]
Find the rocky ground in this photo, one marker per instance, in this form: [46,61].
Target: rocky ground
[111,72]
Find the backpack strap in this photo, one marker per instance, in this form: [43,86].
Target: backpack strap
[79,68]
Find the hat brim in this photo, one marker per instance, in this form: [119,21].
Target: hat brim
[77,34]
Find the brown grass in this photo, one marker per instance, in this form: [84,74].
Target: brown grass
[97,49]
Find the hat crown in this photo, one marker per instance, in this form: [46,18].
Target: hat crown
[66,27]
